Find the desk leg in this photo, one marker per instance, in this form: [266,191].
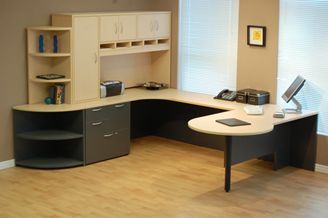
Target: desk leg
[227,163]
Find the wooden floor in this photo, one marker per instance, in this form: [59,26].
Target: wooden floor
[163,178]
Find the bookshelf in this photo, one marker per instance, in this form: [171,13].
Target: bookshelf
[48,61]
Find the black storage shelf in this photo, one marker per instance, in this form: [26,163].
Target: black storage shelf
[49,163]
[49,140]
[49,135]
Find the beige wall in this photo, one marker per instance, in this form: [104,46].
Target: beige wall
[15,16]
[257,66]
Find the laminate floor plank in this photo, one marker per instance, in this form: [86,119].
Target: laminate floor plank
[164,178]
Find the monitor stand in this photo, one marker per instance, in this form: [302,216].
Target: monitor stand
[297,110]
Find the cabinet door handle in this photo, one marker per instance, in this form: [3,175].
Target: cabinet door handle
[157,25]
[96,110]
[122,29]
[108,135]
[151,24]
[119,105]
[96,57]
[97,124]
[115,133]
[116,28]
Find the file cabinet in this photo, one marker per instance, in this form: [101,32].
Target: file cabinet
[107,132]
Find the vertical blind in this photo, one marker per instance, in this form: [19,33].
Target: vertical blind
[208,45]
[303,50]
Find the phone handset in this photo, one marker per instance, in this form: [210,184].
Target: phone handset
[219,96]
[226,94]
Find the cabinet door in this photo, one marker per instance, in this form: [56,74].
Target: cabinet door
[145,26]
[162,25]
[127,27]
[109,28]
[86,64]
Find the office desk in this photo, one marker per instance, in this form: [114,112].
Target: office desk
[288,141]
[291,141]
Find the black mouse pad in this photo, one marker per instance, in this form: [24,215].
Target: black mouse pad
[232,122]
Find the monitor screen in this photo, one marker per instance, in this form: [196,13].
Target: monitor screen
[293,89]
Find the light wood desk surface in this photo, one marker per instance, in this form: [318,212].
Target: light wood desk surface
[260,124]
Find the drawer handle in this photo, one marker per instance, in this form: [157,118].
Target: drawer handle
[97,124]
[96,110]
[108,135]
[119,105]
[115,133]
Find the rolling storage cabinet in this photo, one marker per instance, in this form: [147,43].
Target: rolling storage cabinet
[107,132]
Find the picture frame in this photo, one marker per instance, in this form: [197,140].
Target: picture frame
[256,35]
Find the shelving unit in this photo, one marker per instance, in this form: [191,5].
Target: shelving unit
[49,140]
[48,61]
[133,47]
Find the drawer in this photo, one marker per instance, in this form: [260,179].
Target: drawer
[119,113]
[118,117]
[102,145]
[119,143]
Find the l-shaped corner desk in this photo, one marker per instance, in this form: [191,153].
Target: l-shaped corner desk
[68,135]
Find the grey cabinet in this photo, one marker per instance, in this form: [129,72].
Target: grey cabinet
[107,132]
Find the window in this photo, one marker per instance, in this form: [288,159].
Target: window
[208,45]
[303,49]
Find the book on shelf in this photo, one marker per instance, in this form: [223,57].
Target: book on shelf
[57,93]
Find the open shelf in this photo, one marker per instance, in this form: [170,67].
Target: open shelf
[50,55]
[49,28]
[49,135]
[49,163]
[51,81]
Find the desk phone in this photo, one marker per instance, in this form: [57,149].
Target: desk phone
[227,95]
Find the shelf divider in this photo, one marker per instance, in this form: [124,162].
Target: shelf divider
[49,135]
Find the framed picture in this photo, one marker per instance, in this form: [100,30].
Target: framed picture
[256,35]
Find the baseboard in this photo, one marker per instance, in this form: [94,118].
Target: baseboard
[7,164]
[321,168]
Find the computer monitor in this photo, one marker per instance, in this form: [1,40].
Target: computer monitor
[290,94]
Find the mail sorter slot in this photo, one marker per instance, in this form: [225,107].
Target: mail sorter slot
[123,44]
[137,43]
[118,116]
[150,42]
[108,46]
[163,41]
